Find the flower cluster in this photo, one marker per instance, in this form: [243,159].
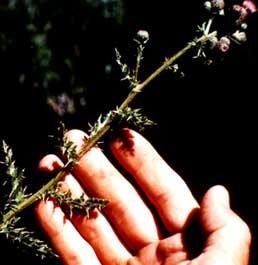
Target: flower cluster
[237,16]
[244,10]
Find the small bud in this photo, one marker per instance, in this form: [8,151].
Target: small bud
[213,41]
[143,36]
[237,8]
[207,5]
[221,12]
[225,40]
[223,44]
[243,26]
[241,12]
[240,36]
[218,4]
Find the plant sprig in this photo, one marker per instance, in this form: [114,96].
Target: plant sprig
[18,200]
[132,118]
[12,228]
[104,127]
[14,179]
[26,240]
[63,197]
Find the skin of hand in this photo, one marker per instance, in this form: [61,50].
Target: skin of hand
[148,216]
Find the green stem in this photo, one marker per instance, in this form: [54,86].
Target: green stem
[138,61]
[104,128]
[33,198]
[139,88]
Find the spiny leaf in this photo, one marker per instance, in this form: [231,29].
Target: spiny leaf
[68,147]
[26,240]
[13,177]
[132,118]
[125,70]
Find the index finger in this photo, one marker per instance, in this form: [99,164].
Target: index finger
[163,186]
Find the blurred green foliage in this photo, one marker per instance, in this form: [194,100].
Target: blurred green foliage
[47,46]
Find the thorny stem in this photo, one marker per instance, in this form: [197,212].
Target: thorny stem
[139,88]
[33,198]
[92,140]
[138,62]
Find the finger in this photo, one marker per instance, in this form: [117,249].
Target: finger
[229,236]
[126,210]
[164,188]
[66,240]
[96,230]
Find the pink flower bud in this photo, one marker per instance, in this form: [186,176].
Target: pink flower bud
[223,44]
[242,13]
[245,10]
[237,8]
[250,6]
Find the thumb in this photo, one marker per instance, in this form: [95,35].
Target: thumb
[228,235]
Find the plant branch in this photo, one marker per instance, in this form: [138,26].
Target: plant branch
[33,198]
[104,127]
[139,88]
[140,49]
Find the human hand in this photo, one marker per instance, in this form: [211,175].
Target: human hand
[146,222]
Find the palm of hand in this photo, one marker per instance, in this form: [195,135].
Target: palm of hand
[166,252]
[127,232]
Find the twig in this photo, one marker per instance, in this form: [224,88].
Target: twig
[105,126]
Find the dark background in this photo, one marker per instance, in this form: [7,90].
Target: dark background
[206,121]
